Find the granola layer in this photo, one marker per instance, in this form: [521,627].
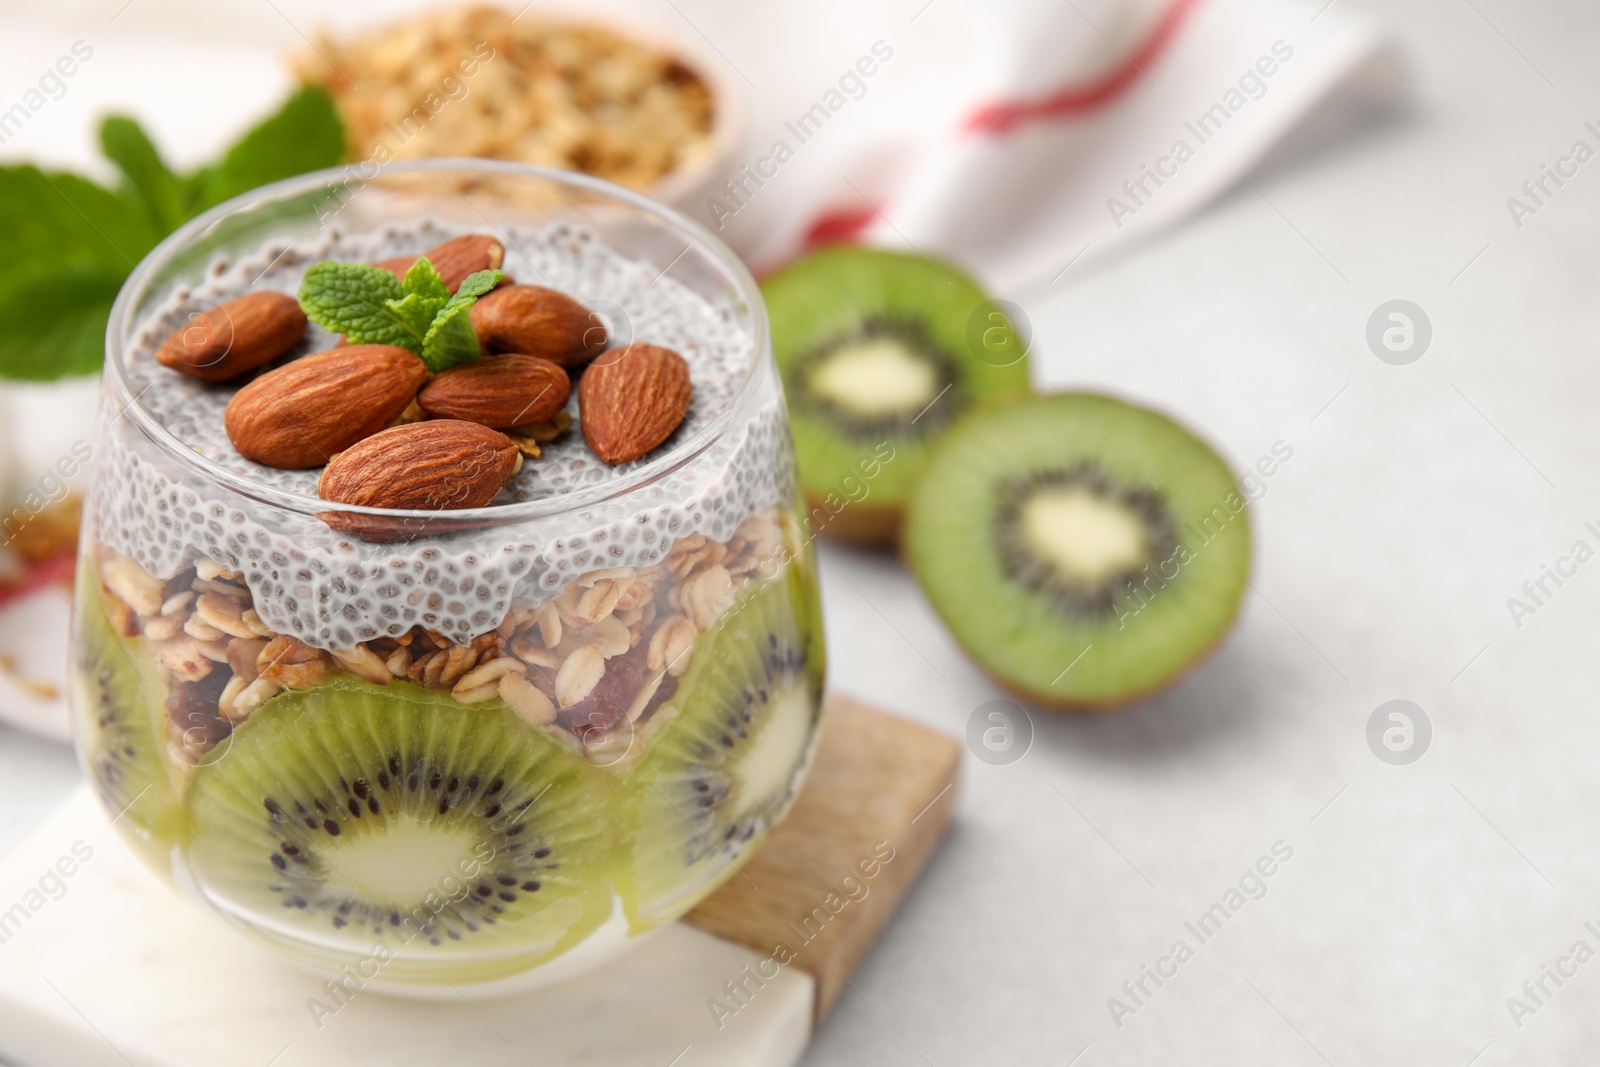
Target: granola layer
[592,665]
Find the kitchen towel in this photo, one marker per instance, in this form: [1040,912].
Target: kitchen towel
[1023,137]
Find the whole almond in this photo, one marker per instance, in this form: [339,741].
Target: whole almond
[502,391]
[455,259]
[538,322]
[236,336]
[632,399]
[444,465]
[299,415]
[396,265]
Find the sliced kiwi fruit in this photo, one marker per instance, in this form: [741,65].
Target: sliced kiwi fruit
[459,835]
[879,352]
[806,596]
[121,717]
[725,770]
[1084,551]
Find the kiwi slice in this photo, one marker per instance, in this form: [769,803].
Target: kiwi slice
[458,834]
[119,705]
[806,597]
[879,352]
[725,770]
[1083,550]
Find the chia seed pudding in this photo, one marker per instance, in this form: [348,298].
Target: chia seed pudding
[531,732]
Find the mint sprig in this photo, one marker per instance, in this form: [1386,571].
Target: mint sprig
[370,306]
[70,242]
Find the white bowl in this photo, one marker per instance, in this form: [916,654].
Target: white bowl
[686,187]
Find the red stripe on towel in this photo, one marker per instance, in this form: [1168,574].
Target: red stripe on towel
[1005,116]
[839,226]
[846,224]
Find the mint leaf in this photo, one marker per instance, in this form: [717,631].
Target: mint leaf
[475,285]
[69,245]
[304,135]
[146,177]
[358,301]
[53,322]
[415,312]
[451,340]
[53,218]
[425,296]
[424,281]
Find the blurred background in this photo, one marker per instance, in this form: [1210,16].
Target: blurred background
[1428,486]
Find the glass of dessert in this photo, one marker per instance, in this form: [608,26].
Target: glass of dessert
[444,609]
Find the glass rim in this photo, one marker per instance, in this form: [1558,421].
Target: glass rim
[121,325]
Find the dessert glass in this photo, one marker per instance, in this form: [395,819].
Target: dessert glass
[495,753]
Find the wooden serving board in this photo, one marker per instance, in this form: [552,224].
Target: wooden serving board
[106,966]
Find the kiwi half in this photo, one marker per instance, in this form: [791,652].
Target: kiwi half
[121,717]
[353,812]
[1083,550]
[727,768]
[879,352]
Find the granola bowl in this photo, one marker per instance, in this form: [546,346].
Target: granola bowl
[560,86]
[488,740]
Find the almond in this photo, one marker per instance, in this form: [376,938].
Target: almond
[632,400]
[443,465]
[237,335]
[501,391]
[396,265]
[538,322]
[299,415]
[455,259]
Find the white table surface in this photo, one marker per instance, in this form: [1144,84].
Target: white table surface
[1418,499]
